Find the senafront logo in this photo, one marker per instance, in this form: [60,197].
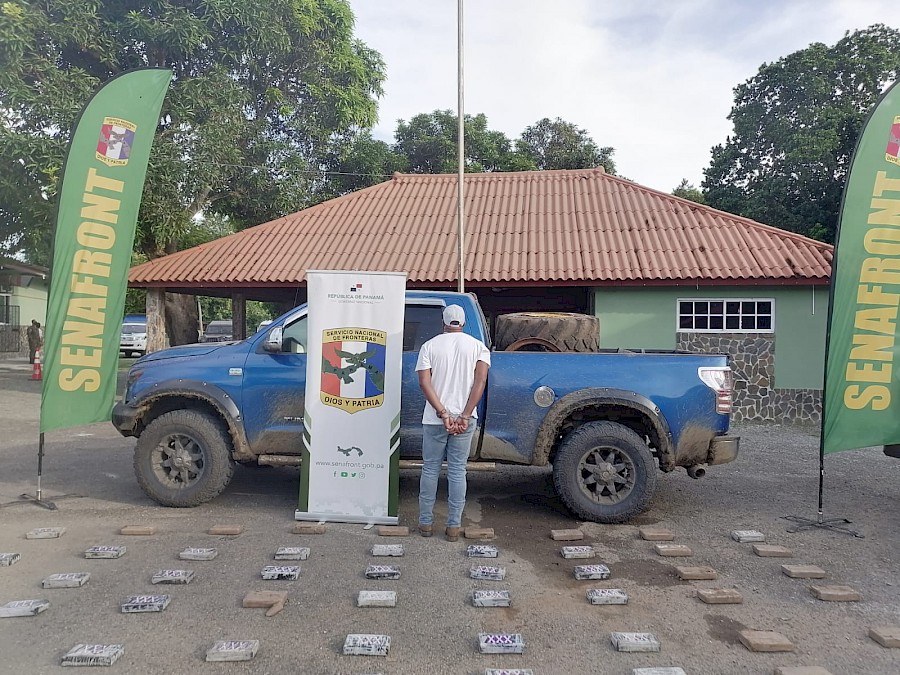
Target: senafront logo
[892,152]
[353,368]
[116,141]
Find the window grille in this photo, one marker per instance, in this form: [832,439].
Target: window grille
[726,315]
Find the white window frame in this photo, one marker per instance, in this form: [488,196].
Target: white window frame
[771,315]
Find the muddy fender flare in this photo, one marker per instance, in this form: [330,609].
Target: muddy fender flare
[603,397]
[211,394]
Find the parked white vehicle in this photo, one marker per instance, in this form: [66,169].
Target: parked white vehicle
[134,338]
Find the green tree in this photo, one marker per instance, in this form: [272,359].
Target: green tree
[558,144]
[428,144]
[361,162]
[260,93]
[688,191]
[796,123]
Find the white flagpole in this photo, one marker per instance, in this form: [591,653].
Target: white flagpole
[460,204]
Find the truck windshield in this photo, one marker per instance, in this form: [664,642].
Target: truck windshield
[134,328]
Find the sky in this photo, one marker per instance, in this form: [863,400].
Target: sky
[654,79]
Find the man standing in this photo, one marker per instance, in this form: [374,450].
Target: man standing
[452,370]
[33,333]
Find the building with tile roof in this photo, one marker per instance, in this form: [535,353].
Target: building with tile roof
[659,271]
[23,298]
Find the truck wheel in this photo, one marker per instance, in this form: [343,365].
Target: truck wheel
[567,332]
[183,458]
[604,472]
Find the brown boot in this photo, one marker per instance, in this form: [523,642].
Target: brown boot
[452,533]
[426,530]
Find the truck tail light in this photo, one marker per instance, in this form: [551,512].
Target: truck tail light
[721,381]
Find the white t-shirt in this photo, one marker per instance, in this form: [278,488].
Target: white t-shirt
[451,357]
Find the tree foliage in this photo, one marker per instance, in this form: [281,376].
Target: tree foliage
[796,123]
[428,145]
[261,92]
[558,144]
[362,162]
[689,191]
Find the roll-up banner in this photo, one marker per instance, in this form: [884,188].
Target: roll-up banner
[350,467]
[103,180]
[862,391]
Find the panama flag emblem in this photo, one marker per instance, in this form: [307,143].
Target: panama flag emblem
[353,368]
[116,141]
[892,153]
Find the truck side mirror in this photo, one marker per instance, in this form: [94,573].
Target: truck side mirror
[272,342]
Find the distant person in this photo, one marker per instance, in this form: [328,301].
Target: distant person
[35,339]
[452,370]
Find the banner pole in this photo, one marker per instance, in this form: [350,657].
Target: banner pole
[37,498]
[833,524]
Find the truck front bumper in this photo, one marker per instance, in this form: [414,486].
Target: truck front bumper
[723,449]
[124,418]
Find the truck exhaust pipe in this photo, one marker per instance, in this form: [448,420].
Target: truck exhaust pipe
[696,471]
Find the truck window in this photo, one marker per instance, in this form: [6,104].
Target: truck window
[422,323]
[294,337]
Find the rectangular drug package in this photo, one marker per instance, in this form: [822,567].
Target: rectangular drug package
[591,572]
[23,608]
[232,650]
[501,643]
[135,604]
[93,655]
[172,577]
[276,572]
[382,572]
[367,644]
[487,572]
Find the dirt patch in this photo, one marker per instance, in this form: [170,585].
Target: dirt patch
[723,628]
[646,572]
[640,521]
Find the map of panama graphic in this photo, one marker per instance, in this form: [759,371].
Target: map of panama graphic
[356,361]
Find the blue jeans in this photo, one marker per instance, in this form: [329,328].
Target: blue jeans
[436,442]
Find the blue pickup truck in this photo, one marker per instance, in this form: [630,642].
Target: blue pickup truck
[608,421]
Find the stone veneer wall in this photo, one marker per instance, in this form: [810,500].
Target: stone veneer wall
[753,363]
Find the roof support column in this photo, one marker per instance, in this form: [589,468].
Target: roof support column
[238,316]
[460,155]
[156,320]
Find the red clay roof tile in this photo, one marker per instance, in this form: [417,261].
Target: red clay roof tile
[580,227]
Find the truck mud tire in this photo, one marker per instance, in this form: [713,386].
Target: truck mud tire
[183,458]
[604,472]
[567,332]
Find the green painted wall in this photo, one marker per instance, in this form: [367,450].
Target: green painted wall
[800,322]
[637,318]
[32,302]
[645,318]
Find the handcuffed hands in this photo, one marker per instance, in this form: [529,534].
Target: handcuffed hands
[456,425]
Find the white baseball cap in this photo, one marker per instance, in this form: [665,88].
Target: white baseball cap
[454,315]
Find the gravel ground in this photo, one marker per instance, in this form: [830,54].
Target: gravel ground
[434,628]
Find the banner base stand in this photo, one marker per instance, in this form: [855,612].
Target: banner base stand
[345,518]
[833,524]
[36,499]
